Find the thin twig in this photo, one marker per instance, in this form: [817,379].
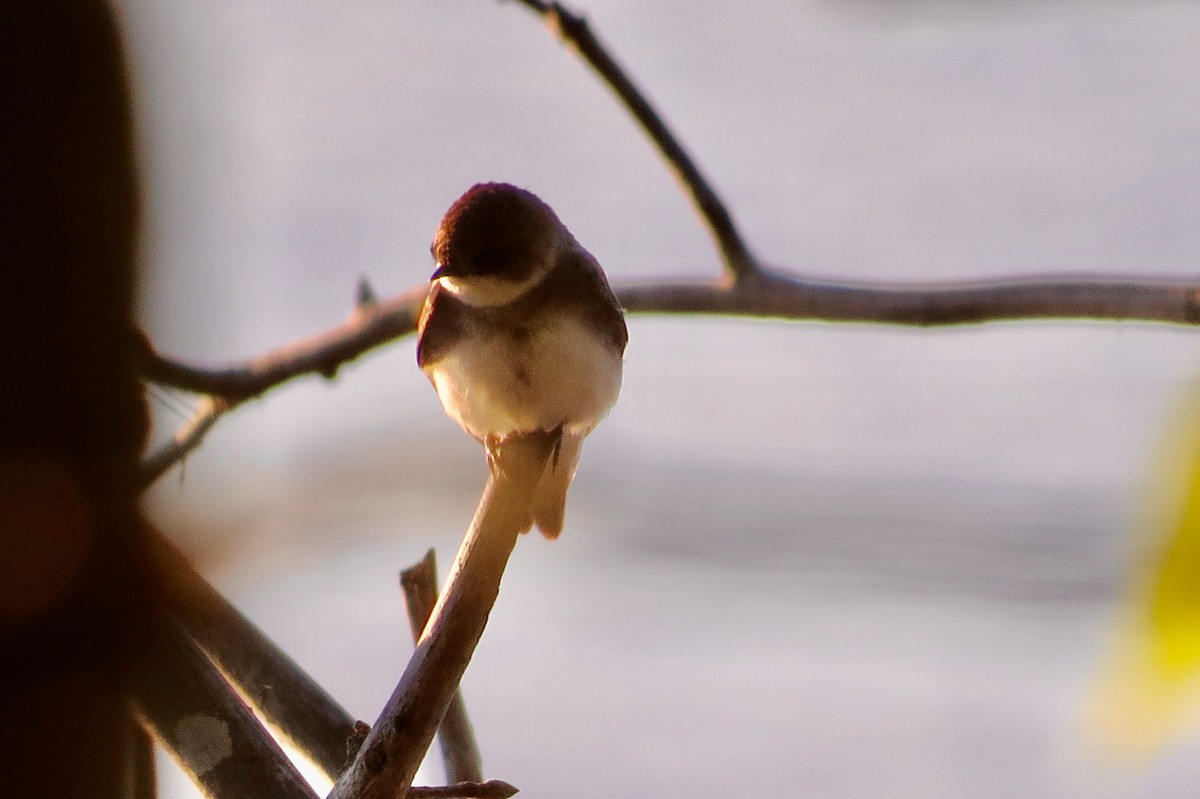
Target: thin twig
[285,695]
[492,789]
[460,751]
[573,29]
[397,743]
[369,326]
[187,438]
[210,732]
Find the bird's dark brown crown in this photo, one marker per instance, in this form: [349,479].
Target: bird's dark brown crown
[494,229]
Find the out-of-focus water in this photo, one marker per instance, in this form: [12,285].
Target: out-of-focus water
[801,559]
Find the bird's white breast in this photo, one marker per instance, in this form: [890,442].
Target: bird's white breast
[559,372]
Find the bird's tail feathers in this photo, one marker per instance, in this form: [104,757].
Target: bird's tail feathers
[550,499]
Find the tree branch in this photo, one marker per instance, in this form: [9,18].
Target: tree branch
[768,293]
[764,294]
[782,296]
[286,696]
[574,30]
[748,288]
[460,751]
[208,410]
[388,759]
[207,728]
[492,789]
[371,325]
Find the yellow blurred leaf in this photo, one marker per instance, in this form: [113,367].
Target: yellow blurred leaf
[1149,690]
[1174,607]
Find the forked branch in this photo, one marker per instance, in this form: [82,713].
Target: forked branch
[370,325]
[281,691]
[746,289]
[574,30]
[391,752]
[389,757]
[211,733]
[460,751]
[756,290]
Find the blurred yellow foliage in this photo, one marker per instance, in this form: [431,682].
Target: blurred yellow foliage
[1149,689]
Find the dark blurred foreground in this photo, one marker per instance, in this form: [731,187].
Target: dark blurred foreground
[74,603]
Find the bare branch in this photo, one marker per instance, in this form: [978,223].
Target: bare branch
[211,733]
[492,789]
[460,751]
[748,288]
[781,296]
[389,758]
[286,696]
[371,325]
[186,439]
[764,294]
[574,30]
[777,295]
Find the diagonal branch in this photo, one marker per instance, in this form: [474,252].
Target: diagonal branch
[285,695]
[574,30]
[208,410]
[460,751]
[389,757]
[194,713]
[371,325]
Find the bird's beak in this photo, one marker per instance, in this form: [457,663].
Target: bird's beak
[440,272]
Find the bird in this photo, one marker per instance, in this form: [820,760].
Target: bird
[521,333]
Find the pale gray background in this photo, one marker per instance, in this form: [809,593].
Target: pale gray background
[801,559]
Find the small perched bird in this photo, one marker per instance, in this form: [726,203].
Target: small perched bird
[520,332]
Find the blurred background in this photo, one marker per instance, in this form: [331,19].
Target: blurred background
[800,559]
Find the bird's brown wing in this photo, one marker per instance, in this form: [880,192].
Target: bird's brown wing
[442,323]
[587,290]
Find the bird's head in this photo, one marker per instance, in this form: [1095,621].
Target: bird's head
[495,243]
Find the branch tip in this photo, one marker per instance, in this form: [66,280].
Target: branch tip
[364,295]
[492,789]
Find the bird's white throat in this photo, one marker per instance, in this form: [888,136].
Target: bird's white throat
[488,291]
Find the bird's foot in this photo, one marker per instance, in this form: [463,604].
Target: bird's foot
[491,446]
